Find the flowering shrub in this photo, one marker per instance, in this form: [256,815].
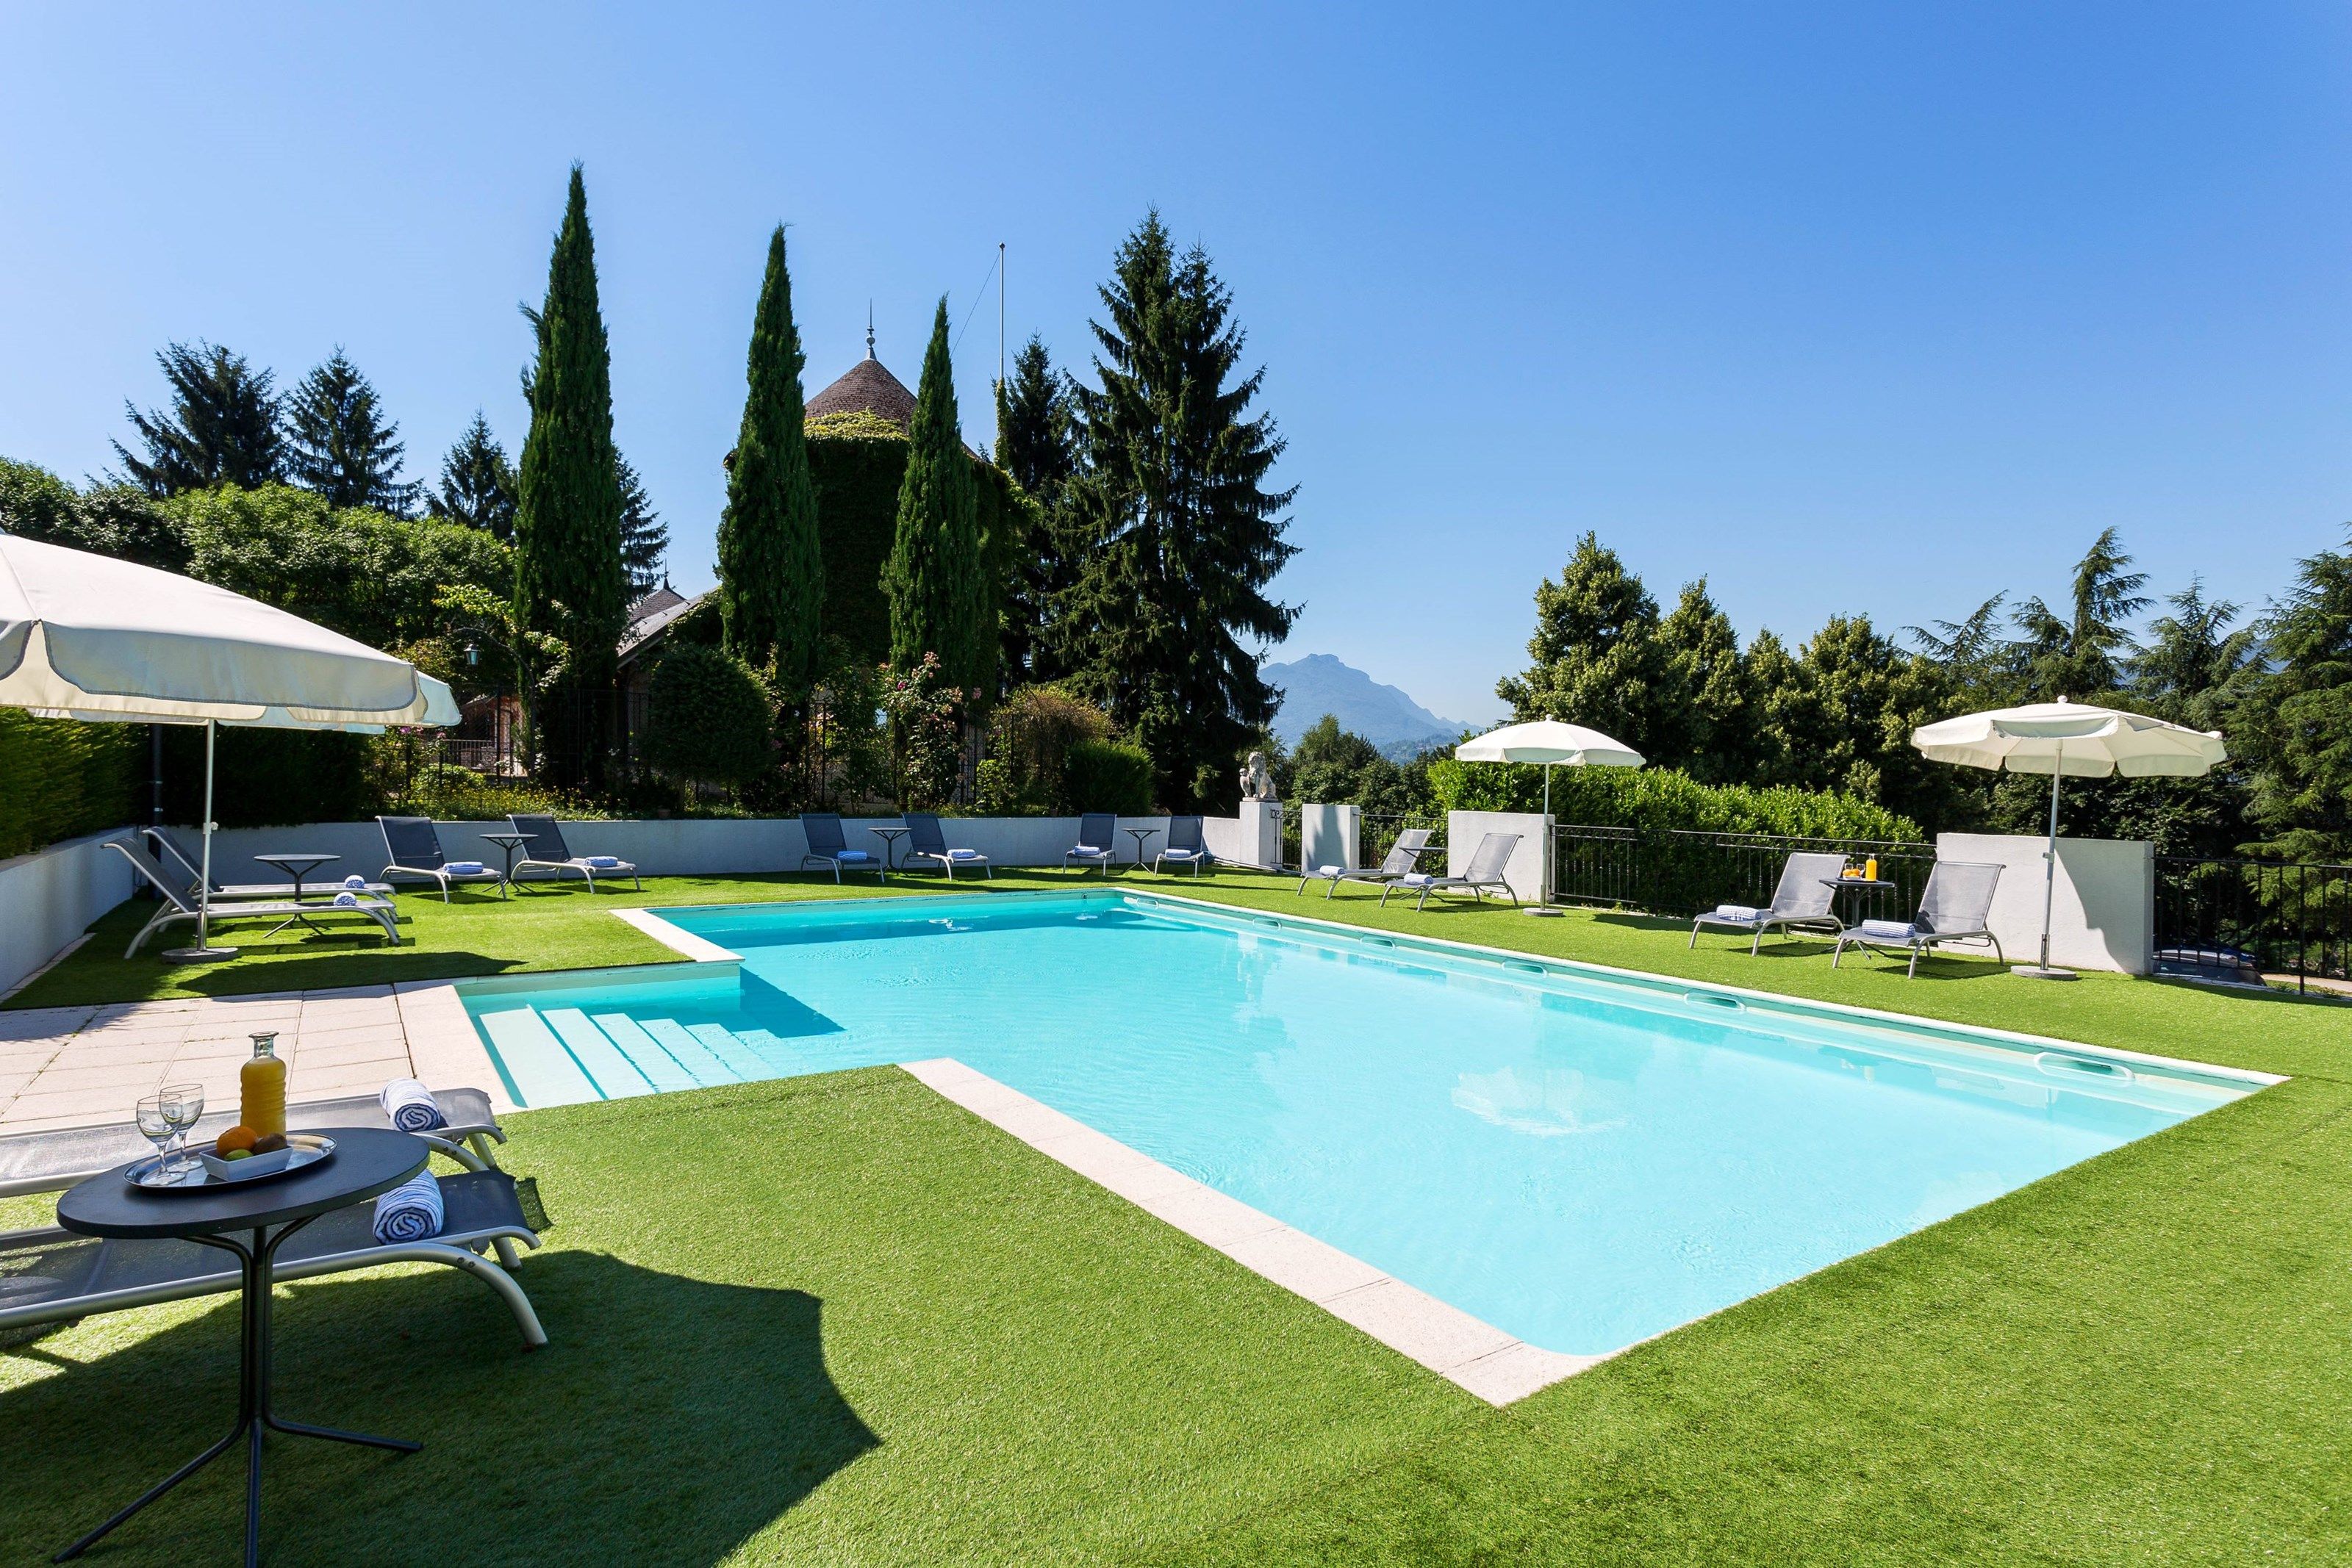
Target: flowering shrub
[926,730]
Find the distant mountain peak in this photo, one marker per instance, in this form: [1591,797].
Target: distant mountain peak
[1317,684]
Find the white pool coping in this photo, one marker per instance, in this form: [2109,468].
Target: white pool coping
[1464,1351]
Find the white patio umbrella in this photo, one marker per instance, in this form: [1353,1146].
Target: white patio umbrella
[88,637]
[1553,744]
[2064,738]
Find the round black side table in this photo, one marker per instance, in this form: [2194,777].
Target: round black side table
[367,1162]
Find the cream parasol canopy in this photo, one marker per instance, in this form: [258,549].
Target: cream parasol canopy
[1553,744]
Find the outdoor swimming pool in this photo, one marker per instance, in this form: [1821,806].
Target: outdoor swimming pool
[1582,1158]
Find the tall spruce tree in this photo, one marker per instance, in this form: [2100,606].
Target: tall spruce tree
[939,586]
[1180,536]
[771,570]
[1036,444]
[569,581]
[478,482]
[339,444]
[644,538]
[1598,658]
[223,428]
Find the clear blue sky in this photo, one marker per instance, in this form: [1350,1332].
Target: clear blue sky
[1847,309]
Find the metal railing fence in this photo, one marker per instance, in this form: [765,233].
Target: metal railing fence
[2243,920]
[1678,872]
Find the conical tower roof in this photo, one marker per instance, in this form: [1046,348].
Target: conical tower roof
[868,388]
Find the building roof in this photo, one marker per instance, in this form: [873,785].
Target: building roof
[646,629]
[868,388]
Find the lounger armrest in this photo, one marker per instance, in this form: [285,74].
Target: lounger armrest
[41,1236]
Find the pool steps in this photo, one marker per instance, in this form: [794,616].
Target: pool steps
[564,1056]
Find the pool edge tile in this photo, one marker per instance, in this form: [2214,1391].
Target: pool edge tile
[444,1051]
[677,938]
[1468,1352]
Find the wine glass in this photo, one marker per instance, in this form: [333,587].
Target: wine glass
[184,1105]
[157,1129]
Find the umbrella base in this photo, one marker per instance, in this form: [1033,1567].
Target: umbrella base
[2037,972]
[198,955]
[1542,909]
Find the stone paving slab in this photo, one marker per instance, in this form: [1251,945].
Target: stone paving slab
[85,1066]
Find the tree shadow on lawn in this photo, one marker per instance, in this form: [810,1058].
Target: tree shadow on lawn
[668,1421]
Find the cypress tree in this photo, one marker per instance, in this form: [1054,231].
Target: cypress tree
[1180,536]
[341,445]
[567,534]
[937,581]
[223,428]
[771,571]
[478,482]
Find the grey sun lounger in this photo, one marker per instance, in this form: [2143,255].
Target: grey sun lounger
[548,852]
[926,841]
[1096,831]
[246,890]
[1185,846]
[413,845]
[1402,858]
[179,909]
[1801,901]
[50,1275]
[1482,875]
[1955,906]
[828,847]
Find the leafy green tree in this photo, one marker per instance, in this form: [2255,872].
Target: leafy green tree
[569,580]
[478,482]
[710,719]
[938,591]
[2293,724]
[115,519]
[1705,725]
[1036,444]
[339,444]
[771,570]
[1331,766]
[1179,535]
[1598,659]
[223,428]
[372,577]
[644,538]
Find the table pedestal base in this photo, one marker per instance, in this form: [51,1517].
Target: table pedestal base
[253,1411]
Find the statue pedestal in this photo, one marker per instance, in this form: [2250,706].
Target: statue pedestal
[1261,834]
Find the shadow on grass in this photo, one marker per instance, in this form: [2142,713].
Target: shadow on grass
[668,1420]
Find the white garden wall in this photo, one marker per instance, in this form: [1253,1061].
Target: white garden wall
[1330,835]
[50,897]
[2103,913]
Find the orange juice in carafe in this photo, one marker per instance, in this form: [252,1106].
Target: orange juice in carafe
[261,1088]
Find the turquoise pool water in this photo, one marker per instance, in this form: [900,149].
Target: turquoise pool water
[1581,1159]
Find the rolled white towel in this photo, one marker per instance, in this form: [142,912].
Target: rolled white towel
[347,901]
[1737,911]
[463,868]
[411,1211]
[851,855]
[411,1106]
[1890,930]
[1331,870]
[356,882]
[966,855]
[604,862]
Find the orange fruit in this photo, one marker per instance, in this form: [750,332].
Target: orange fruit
[234,1139]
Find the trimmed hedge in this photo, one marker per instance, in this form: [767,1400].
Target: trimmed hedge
[1664,800]
[61,779]
[1108,775]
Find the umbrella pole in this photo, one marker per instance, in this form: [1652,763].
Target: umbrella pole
[1542,905]
[204,950]
[2043,971]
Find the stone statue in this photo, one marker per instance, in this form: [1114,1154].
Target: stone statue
[1257,780]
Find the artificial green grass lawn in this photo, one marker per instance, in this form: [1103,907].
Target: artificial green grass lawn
[837,1319]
